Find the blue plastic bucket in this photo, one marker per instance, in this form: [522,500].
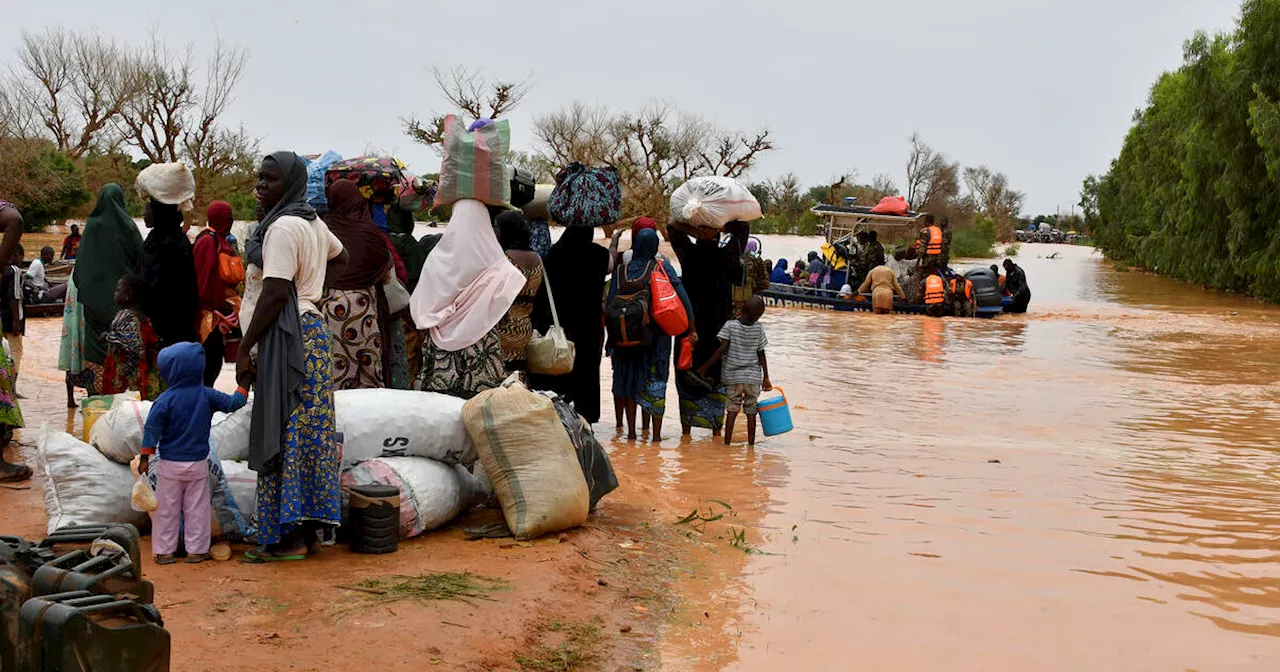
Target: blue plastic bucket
[775,414]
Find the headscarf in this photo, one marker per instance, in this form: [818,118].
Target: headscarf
[640,224]
[110,249]
[513,231]
[350,221]
[168,183]
[753,246]
[467,284]
[412,253]
[293,203]
[213,291]
[780,274]
[643,250]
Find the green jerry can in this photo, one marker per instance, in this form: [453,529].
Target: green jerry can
[83,632]
[15,588]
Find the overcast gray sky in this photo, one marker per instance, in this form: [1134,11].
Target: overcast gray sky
[1041,90]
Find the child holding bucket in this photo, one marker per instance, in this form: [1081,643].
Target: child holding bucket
[178,429]
[745,370]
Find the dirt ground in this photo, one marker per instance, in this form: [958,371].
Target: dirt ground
[593,598]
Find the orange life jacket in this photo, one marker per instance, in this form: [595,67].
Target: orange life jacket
[968,287]
[935,291]
[934,245]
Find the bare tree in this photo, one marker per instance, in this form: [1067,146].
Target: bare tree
[991,196]
[470,93]
[932,179]
[654,149]
[881,186]
[74,86]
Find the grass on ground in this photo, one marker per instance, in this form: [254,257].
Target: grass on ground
[428,587]
[577,647]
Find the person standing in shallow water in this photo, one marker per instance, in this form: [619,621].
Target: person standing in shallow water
[708,273]
[291,441]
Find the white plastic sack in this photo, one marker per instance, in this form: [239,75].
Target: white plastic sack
[118,434]
[431,493]
[713,201]
[243,484]
[230,433]
[375,423]
[81,486]
[402,423]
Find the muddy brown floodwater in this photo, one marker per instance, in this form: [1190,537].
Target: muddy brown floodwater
[1091,486]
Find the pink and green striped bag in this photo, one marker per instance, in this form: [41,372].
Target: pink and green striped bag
[475,163]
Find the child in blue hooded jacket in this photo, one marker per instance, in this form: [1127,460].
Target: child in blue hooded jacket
[177,428]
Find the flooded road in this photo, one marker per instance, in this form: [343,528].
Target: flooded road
[1091,486]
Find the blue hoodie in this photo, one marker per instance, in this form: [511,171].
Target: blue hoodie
[178,424]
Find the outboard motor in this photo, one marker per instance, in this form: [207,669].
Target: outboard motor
[986,288]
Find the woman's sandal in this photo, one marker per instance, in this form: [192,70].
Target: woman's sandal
[260,555]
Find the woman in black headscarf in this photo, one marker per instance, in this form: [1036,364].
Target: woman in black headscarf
[577,268]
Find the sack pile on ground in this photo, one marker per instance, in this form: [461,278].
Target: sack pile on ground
[547,469]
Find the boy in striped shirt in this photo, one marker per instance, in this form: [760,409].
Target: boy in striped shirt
[745,370]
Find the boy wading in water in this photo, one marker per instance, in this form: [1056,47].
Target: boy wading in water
[745,370]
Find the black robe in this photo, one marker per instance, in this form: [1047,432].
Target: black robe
[172,296]
[576,269]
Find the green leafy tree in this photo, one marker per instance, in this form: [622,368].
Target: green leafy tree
[41,181]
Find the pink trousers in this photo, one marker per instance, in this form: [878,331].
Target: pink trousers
[182,491]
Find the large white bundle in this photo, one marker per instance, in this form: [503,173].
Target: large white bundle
[230,434]
[713,201]
[118,434]
[375,423]
[431,493]
[82,486]
[402,423]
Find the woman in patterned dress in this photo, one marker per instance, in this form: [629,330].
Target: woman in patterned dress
[292,445]
[467,286]
[516,327]
[355,306]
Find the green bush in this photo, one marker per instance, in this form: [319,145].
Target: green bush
[44,184]
[977,241]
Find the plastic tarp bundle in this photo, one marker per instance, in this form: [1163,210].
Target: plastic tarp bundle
[82,486]
[713,201]
[891,205]
[375,423]
[594,461]
[529,459]
[431,493]
[118,434]
[315,180]
[243,484]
